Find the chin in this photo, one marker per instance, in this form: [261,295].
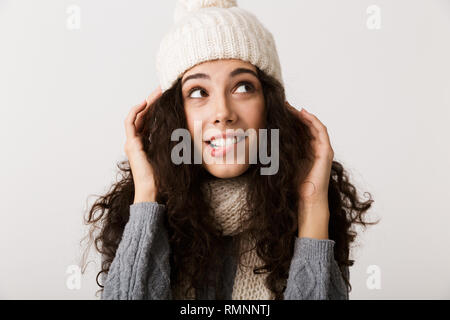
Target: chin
[218,166]
[224,171]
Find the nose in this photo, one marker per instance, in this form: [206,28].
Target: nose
[224,113]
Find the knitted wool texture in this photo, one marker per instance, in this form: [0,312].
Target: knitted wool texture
[227,198]
[228,203]
[214,29]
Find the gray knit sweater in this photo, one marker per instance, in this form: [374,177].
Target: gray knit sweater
[141,269]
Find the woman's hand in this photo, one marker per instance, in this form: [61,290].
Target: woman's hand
[144,183]
[313,192]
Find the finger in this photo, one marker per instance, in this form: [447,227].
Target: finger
[314,120]
[133,121]
[140,118]
[297,112]
[130,129]
[311,127]
[291,108]
[319,126]
[154,96]
[306,121]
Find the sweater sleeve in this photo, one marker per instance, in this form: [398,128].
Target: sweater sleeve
[140,269]
[314,273]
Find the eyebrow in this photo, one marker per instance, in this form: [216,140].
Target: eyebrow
[232,74]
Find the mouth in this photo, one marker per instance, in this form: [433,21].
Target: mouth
[220,147]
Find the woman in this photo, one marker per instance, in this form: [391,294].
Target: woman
[219,229]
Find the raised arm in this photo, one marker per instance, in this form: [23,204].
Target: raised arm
[314,273]
[141,269]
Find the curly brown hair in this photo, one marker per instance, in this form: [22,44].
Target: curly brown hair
[196,241]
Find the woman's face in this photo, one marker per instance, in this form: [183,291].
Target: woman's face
[220,97]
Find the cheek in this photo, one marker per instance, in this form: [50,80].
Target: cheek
[195,121]
[254,116]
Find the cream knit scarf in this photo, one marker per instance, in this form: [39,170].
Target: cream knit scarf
[228,201]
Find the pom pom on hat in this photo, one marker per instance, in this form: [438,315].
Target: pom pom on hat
[184,7]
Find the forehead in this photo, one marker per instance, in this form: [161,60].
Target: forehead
[219,66]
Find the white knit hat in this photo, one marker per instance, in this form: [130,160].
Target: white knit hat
[214,29]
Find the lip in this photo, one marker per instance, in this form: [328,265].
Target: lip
[224,136]
[219,152]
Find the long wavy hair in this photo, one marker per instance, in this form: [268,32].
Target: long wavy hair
[195,239]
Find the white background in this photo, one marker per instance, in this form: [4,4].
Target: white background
[384,95]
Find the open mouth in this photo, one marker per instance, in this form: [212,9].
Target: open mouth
[219,147]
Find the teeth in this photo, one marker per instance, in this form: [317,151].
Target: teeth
[218,143]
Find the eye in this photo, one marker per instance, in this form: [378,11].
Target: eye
[243,84]
[194,90]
